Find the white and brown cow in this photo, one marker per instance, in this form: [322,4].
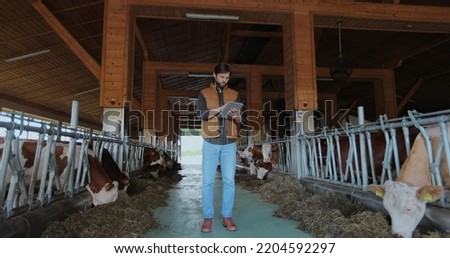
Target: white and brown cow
[114,172]
[154,162]
[169,162]
[101,187]
[262,158]
[405,199]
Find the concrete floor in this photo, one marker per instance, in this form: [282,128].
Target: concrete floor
[182,218]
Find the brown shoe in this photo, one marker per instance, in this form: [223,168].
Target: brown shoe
[229,224]
[206,226]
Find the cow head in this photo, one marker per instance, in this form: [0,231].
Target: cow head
[153,169]
[168,161]
[102,188]
[107,194]
[152,157]
[122,185]
[114,172]
[246,153]
[266,152]
[263,168]
[405,204]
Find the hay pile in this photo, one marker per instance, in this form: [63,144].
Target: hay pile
[334,215]
[329,215]
[128,217]
[249,182]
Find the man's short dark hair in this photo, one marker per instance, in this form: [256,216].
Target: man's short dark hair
[222,68]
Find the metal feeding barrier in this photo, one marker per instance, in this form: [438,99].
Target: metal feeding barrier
[355,156]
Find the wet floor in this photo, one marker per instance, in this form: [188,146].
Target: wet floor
[182,218]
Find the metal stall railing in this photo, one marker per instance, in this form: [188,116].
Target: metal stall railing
[335,155]
[169,148]
[283,146]
[22,190]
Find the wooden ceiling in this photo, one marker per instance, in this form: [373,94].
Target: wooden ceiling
[46,84]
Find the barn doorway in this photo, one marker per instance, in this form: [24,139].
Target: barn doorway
[191,147]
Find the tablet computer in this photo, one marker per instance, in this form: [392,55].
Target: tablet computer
[229,106]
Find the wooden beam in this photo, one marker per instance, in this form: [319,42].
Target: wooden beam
[115,82]
[260,34]
[136,104]
[382,11]
[207,68]
[437,73]
[71,42]
[406,53]
[317,35]
[336,121]
[384,84]
[14,103]
[141,42]
[179,93]
[254,100]
[384,93]
[226,42]
[423,78]
[410,93]
[149,95]
[358,73]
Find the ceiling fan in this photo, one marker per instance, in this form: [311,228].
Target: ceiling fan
[342,69]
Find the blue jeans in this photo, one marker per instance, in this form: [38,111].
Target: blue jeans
[212,154]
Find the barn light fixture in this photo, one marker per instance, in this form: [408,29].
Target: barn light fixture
[17,58]
[325,79]
[87,91]
[342,69]
[201,16]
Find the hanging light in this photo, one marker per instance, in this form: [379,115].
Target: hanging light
[202,16]
[342,69]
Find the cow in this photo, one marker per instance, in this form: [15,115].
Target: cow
[158,162]
[153,170]
[154,162]
[169,162]
[405,198]
[114,172]
[262,158]
[251,154]
[101,187]
[152,157]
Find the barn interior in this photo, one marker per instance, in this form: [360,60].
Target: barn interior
[53,52]
[153,57]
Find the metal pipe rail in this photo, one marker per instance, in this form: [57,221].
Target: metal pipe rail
[19,194]
[327,165]
[284,154]
[26,212]
[423,119]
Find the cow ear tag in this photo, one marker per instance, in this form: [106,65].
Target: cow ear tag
[428,197]
[379,193]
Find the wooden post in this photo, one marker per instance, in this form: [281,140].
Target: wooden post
[385,95]
[299,63]
[115,72]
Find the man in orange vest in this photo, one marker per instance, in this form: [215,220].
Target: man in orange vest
[219,132]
